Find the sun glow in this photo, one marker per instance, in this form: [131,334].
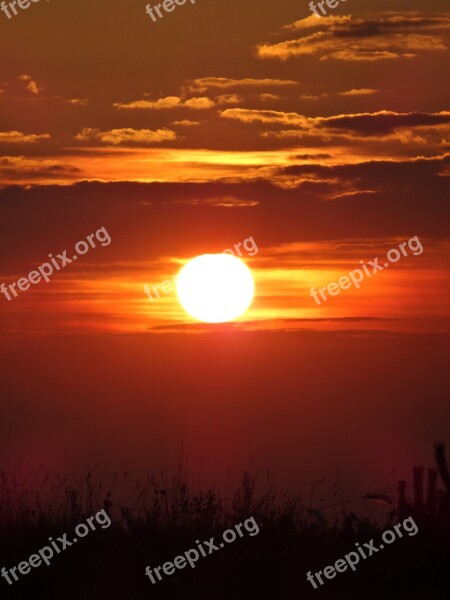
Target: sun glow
[215,288]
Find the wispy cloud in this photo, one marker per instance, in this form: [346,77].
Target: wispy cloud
[229,99]
[77,101]
[17,137]
[220,201]
[126,136]
[20,169]
[204,83]
[30,84]
[373,38]
[358,92]
[186,123]
[167,103]
[200,103]
[405,127]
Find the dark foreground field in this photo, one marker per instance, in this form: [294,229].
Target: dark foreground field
[109,563]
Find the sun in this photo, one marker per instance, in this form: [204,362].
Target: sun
[215,288]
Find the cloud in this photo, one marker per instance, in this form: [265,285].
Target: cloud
[384,121]
[126,136]
[374,38]
[248,115]
[167,103]
[77,101]
[221,202]
[229,99]
[199,103]
[313,157]
[353,193]
[28,90]
[31,85]
[358,92]
[185,123]
[312,22]
[268,97]
[353,92]
[17,137]
[20,169]
[411,176]
[359,126]
[204,83]
[313,96]
[286,215]
[283,134]
[163,103]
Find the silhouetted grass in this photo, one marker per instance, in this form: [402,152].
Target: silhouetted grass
[153,521]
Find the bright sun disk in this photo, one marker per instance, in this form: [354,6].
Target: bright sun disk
[215,288]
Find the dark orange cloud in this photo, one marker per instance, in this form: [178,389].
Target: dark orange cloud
[126,136]
[17,137]
[167,103]
[372,38]
[204,83]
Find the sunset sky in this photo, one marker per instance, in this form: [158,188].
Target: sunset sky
[325,140]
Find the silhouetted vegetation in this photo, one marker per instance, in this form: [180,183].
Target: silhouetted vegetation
[154,521]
